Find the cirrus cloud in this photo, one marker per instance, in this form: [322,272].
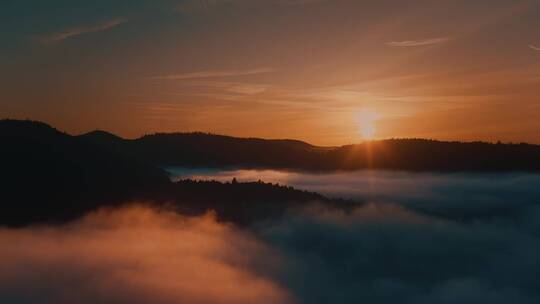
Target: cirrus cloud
[77,31]
[214,74]
[424,42]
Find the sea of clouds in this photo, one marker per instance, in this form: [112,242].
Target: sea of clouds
[414,238]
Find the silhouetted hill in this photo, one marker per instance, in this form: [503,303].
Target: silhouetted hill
[432,155]
[102,137]
[206,150]
[46,173]
[50,176]
[242,203]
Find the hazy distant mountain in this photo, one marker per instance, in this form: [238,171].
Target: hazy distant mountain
[207,150]
[432,155]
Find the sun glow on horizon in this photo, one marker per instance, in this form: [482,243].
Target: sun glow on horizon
[366,123]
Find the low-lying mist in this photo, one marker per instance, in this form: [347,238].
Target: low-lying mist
[384,253]
[135,255]
[413,238]
[456,195]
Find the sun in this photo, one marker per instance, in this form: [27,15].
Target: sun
[367,130]
[366,123]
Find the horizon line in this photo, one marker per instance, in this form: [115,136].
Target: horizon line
[75,134]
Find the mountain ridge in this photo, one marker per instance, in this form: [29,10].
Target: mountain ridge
[412,154]
[198,149]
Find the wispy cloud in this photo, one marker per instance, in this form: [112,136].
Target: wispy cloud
[410,43]
[234,87]
[77,31]
[300,2]
[192,6]
[536,48]
[215,74]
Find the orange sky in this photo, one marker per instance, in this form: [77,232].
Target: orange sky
[305,69]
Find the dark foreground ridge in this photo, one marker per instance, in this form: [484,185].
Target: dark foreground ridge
[48,177]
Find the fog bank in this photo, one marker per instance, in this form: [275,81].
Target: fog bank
[413,238]
[135,255]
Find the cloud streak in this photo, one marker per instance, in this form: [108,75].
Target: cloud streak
[78,31]
[242,88]
[192,6]
[215,74]
[412,43]
[534,47]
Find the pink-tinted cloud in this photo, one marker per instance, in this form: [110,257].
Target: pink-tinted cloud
[424,42]
[135,255]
